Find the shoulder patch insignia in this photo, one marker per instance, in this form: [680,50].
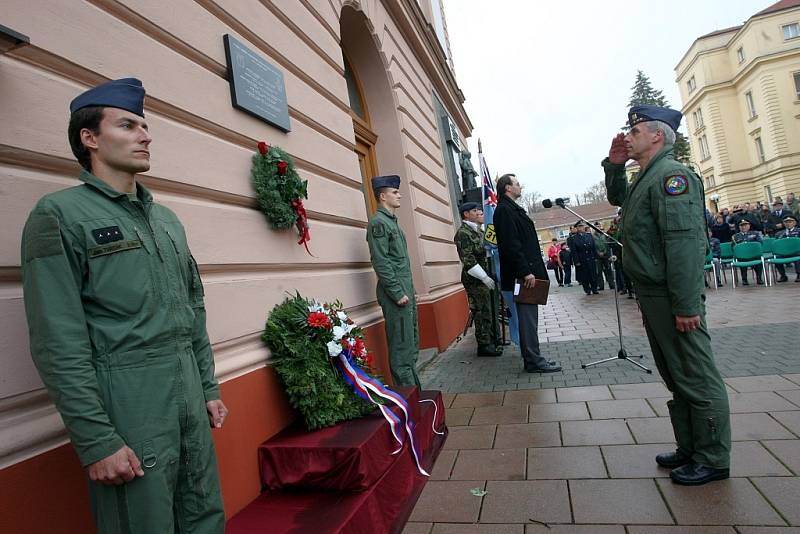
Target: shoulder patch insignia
[378,230]
[676,185]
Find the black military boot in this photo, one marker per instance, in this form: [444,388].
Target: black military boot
[694,474]
[744,280]
[672,459]
[489,350]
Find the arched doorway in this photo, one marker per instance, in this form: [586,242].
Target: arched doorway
[365,136]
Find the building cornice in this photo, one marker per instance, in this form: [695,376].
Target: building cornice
[741,75]
[419,35]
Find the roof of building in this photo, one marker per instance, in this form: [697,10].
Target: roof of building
[778,6]
[720,32]
[556,217]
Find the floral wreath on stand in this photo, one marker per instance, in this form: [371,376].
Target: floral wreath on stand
[280,191]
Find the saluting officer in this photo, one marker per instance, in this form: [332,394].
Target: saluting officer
[389,253]
[746,235]
[664,235]
[117,325]
[477,282]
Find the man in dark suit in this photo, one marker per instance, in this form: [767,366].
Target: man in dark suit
[520,259]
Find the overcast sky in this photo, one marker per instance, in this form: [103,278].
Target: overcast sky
[547,83]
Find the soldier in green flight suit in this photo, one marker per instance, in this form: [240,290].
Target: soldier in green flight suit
[389,254]
[117,326]
[664,239]
[478,284]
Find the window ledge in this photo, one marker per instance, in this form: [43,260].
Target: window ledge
[705,158]
[754,117]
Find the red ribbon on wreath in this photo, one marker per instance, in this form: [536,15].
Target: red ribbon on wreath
[302,223]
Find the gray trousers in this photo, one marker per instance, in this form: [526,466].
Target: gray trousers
[529,335]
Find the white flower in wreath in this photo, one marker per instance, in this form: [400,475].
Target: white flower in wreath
[315,307]
[334,349]
[342,316]
[339,332]
[349,326]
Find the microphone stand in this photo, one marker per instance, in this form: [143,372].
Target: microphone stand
[622,354]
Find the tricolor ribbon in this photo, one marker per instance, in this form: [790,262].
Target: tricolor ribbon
[365,386]
[302,223]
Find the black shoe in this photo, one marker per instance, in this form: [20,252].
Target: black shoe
[783,278]
[588,292]
[694,474]
[745,283]
[631,296]
[489,350]
[672,459]
[560,285]
[760,282]
[594,292]
[551,367]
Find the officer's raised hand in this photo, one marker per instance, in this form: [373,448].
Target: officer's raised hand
[618,153]
[403,301]
[122,466]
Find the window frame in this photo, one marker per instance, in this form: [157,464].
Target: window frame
[762,155]
[705,153]
[796,35]
[796,79]
[691,84]
[740,54]
[751,104]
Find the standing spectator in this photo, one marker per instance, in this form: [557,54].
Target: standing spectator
[520,262]
[790,230]
[624,284]
[740,213]
[745,235]
[721,230]
[565,255]
[767,220]
[792,204]
[554,261]
[584,257]
[779,211]
[665,236]
[726,213]
[603,263]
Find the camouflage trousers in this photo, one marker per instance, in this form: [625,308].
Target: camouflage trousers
[480,304]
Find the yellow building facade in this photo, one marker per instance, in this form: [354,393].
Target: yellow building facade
[740,89]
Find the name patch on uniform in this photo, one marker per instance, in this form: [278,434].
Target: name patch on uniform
[676,185]
[107,235]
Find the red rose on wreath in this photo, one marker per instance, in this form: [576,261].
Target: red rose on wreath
[263,147]
[319,320]
[359,346]
[282,167]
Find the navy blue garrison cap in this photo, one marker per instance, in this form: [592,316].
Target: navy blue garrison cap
[467,206]
[391,180]
[645,112]
[127,94]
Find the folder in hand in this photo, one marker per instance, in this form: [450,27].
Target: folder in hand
[533,295]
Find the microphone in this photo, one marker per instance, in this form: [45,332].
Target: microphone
[547,203]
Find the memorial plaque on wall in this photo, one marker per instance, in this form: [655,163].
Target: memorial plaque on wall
[256,85]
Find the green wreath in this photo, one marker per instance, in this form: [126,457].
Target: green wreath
[279,189]
[299,355]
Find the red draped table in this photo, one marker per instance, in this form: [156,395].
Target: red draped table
[343,478]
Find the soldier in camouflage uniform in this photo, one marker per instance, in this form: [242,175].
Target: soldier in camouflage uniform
[746,235]
[479,285]
[395,291]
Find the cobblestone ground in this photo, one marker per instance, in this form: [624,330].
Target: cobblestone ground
[755,330]
[574,452]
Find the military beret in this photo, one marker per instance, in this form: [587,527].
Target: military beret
[787,217]
[645,113]
[126,93]
[744,221]
[466,206]
[379,182]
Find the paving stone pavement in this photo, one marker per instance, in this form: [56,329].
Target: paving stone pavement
[574,452]
[754,331]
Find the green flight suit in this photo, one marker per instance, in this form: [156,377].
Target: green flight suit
[469,243]
[117,326]
[665,240]
[389,254]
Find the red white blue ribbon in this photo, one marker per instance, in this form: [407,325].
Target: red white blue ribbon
[365,386]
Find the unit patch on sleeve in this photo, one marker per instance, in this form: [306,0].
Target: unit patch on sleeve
[107,235]
[676,185]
